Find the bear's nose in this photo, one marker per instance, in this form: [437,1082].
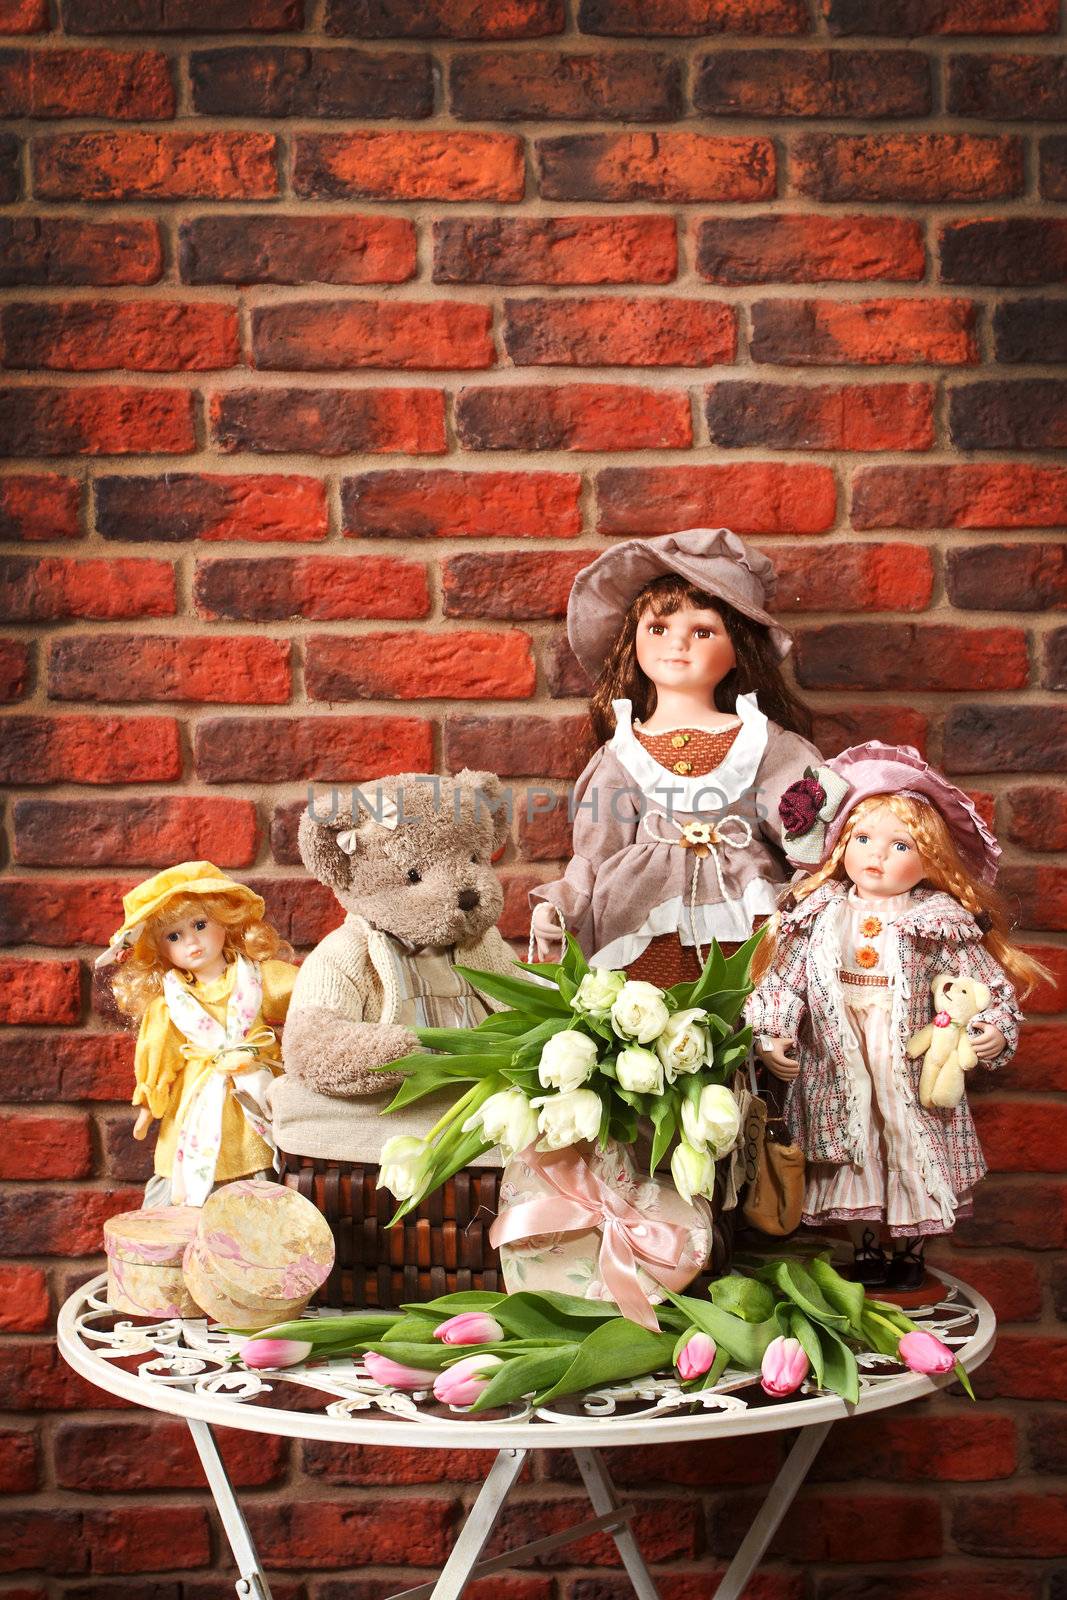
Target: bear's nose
[468,899]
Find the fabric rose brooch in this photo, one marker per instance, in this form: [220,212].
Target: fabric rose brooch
[806,808]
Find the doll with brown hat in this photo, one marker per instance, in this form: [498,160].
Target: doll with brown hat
[676,834]
[208,981]
[899,897]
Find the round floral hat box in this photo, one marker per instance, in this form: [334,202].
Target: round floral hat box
[205,1286]
[261,1247]
[144,1261]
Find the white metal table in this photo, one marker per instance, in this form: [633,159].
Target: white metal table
[182,1367]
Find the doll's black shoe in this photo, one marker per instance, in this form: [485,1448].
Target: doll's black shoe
[870,1264]
[907,1270]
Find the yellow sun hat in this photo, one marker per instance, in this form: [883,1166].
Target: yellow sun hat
[150,897]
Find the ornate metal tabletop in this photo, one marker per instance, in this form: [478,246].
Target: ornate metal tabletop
[186,1367]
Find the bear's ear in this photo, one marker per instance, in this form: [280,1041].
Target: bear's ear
[487,799]
[982,996]
[322,854]
[938,988]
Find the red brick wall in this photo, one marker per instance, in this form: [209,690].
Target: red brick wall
[336,338]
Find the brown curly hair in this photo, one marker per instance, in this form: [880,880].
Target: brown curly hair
[943,869]
[757,664]
[138,977]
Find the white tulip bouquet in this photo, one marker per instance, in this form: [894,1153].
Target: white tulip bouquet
[580,1054]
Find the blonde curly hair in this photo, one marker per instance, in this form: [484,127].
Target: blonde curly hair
[943,868]
[139,975]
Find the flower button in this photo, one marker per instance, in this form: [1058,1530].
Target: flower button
[866,957]
[871,927]
[679,741]
[682,768]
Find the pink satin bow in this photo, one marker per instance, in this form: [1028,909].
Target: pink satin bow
[582,1201]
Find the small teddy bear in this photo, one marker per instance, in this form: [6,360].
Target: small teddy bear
[946,1050]
[410,862]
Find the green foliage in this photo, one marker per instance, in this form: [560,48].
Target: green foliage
[559,1344]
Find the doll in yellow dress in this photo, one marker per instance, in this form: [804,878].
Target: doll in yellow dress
[207,979]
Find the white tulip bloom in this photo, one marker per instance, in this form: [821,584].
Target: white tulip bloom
[639,1012]
[506,1119]
[640,1071]
[684,1046]
[714,1122]
[693,1171]
[566,1119]
[405,1166]
[567,1060]
[598,992]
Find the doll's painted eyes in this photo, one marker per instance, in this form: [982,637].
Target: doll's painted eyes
[414,875]
[900,845]
[658,628]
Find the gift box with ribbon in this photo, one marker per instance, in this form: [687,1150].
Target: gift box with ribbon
[259,1254]
[582,1221]
[144,1261]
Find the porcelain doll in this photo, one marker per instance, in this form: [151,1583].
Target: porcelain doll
[901,895]
[206,979]
[676,834]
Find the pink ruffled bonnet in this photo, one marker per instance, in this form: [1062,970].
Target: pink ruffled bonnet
[875,768]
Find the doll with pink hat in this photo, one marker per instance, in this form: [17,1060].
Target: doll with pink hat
[676,833]
[899,892]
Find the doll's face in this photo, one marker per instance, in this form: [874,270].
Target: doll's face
[195,944]
[689,650]
[881,857]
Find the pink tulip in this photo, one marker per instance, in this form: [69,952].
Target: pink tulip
[396,1376]
[275,1352]
[785,1366]
[695,1357]
[470,1327]
[460,1385]
[923,1353]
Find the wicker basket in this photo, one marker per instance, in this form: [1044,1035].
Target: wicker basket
[440,1247]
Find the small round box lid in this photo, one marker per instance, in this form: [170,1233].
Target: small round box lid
[266,1242]
[154,1237]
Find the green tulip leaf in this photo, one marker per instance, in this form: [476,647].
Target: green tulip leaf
[743,1297]
[793,1279]
[525,1375]
[429,1356]
[617,1350]
[806,1335]
[531,1315]
[450,1305]
[537,998]
[839,1365]
[846,1297]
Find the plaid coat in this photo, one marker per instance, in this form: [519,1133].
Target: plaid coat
[801,996]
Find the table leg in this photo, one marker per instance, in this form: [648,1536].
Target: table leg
[481,1520]
[252,1583]
[791,1475]
[601,1492]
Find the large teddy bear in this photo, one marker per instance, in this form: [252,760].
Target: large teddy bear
[410,862]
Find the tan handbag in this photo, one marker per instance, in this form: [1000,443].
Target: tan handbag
[775,1198]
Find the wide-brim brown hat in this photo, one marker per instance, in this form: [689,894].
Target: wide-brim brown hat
[713,560]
